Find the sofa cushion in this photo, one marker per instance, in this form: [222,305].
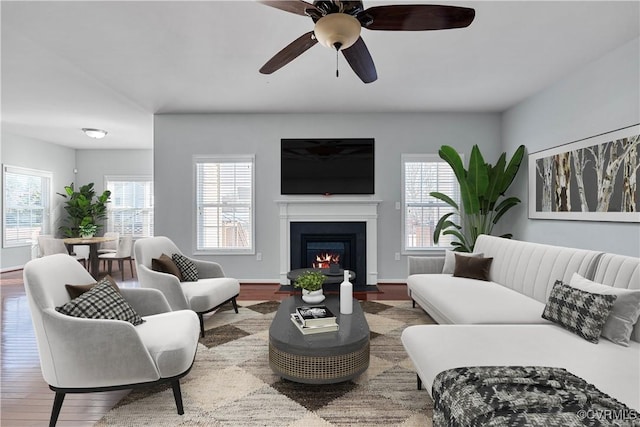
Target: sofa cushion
[450,260]
[472,267]
[172,352]
[612,368]
[207,293]
[583,313]
[467,301]
[623,315]
[101,302]
[165,264]
[188,269]
[76,290]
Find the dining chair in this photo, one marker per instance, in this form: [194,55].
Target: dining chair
[112,245]
[49,245]
[122,254]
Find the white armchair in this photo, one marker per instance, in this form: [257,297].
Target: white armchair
[80,355]
[211,291]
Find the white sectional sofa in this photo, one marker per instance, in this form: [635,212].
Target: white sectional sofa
[499,322]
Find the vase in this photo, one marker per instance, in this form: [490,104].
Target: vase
[312,297]
[346,295]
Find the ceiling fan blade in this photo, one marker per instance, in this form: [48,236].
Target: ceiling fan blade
[416,17]
[289,53]
[360,60]
[298,7]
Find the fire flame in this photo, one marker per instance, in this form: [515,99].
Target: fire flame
[324,260]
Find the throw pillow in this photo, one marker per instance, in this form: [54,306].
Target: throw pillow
[188,269]
[472,267]
[165,264]
[625,311]
[101,302]
[75,291]
[580,312]
[450,260]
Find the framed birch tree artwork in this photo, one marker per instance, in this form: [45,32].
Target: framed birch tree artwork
[593,179]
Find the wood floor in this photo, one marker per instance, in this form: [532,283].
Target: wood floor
[26,398]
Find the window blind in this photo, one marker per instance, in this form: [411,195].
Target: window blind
[423,174]
[224,203]
[26,207]
[130,210]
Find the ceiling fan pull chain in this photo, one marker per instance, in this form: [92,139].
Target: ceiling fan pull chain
[337,58]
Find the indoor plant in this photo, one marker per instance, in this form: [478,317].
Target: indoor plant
[87,230]
[311,284]
[83,208]
[482,186]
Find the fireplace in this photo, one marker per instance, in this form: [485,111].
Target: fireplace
[320,244]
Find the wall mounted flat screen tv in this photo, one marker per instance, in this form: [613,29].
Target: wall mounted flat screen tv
[327,166]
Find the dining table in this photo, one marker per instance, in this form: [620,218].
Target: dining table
[93,243]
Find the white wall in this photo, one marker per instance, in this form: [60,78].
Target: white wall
[41,155]
[94,165]
[179,137]
[600,97]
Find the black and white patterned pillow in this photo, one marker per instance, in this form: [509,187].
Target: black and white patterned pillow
[580,312]
[187,268]
[101,302]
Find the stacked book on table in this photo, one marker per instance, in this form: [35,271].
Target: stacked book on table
[314,319]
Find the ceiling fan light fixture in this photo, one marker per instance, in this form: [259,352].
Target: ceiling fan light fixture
[337,31]
[94,133]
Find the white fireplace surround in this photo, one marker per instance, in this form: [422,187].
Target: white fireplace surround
[329,209]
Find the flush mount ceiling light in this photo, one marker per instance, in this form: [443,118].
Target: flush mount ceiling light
[94,133]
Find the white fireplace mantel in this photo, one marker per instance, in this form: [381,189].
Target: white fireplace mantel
[329,209]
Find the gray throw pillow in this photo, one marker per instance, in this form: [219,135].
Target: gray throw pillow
[625,311]
[101,302]
[188,269]
[450,260]
[580,312]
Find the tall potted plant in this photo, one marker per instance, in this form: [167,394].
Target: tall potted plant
[482,192]
[85,210]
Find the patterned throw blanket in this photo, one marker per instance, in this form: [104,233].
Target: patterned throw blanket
[523,396]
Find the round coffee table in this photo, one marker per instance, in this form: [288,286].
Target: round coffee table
[331,278]
[324,358]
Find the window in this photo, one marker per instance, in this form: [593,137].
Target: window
[224,204]
[27,198]
[130,208]
[422,174]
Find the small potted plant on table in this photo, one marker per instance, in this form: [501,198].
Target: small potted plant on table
[311,284]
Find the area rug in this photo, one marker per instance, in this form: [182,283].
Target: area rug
[231,383]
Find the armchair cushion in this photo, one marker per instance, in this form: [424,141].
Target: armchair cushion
[208,293]
[101,302]
[76,290]
[171,339]
[187,268]
[165,264]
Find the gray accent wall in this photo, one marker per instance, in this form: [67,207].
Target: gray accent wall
[177,138]
[94,165]
[600,97]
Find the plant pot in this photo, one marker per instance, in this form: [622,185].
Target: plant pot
[312,297]
[86,236]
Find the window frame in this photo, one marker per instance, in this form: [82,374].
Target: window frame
[47,225]
[224,158]
[130,178]
[423,158]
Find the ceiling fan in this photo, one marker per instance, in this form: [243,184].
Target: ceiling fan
[338,24]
